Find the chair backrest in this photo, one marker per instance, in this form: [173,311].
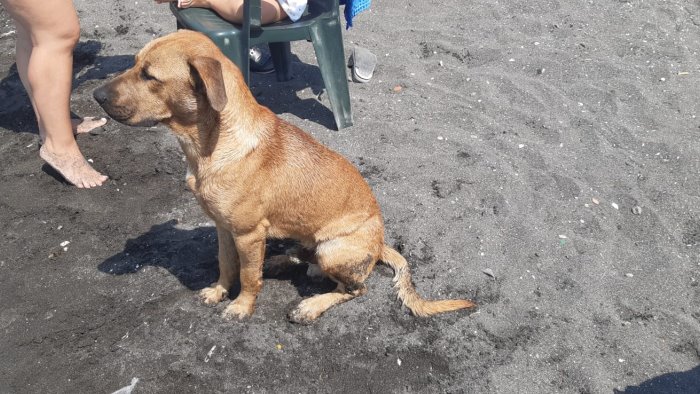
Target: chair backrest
[329,7]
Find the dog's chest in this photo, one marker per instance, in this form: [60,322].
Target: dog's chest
[219,202]
[212,199]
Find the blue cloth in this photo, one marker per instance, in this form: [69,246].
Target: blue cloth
[354,7]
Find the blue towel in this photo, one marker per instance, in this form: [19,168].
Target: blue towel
[354,7]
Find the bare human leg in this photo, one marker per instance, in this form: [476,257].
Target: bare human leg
[47,34]
[23,50]
[232,10]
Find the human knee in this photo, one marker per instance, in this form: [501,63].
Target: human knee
[69,35]
[63,37]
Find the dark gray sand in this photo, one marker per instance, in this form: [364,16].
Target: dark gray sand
[552,144]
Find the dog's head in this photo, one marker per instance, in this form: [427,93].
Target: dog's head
[176,80]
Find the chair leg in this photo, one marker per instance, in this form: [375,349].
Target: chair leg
[238,53]
[328,43]
[282,58]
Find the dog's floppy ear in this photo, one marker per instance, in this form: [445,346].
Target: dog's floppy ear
[210,74]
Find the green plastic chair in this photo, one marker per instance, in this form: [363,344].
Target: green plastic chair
[320,24]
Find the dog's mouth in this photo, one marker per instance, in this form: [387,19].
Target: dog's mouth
[122,115]
[121,118]
[140,123]
[144,123]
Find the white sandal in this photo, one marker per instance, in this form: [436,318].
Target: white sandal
[363,63]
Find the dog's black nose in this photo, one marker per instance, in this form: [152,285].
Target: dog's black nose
[100,94]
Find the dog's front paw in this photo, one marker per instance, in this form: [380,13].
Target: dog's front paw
[238,310]
[304,313]
[214,294]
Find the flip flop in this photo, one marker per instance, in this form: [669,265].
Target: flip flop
[363,63]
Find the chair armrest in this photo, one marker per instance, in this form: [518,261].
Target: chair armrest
[251,14]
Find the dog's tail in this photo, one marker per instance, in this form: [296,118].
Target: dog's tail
[407,291]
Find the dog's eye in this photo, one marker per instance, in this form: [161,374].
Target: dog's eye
[146,76]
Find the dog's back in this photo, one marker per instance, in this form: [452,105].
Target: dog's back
[307,186]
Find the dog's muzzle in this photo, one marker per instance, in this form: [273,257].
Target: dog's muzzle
[101,95]
[104,96]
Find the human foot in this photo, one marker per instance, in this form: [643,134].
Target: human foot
[86,124]
[73,167]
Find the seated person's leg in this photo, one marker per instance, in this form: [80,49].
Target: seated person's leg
[232,10]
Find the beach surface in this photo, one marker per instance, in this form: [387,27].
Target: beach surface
[540,157]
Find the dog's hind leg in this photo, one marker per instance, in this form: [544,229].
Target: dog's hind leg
[311,308]
[228,269]
[347,261]
[251,253]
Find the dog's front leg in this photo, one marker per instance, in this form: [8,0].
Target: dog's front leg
[251,252]
[229,267]
[191,181]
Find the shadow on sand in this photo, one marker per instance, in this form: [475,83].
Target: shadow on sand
[191,256]
[281,97]
[16,112]
[687,382]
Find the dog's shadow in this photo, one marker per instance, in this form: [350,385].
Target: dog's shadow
[191,256]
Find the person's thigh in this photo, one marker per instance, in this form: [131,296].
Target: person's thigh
[232,10]
[271,11]
[45,20]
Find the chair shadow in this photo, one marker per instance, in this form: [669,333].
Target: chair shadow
[191,256]
[686,382]
[281,97]
[16,111]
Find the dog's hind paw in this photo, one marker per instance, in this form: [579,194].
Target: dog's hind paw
[214,294]
[304,313]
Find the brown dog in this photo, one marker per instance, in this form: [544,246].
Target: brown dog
[259,177]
